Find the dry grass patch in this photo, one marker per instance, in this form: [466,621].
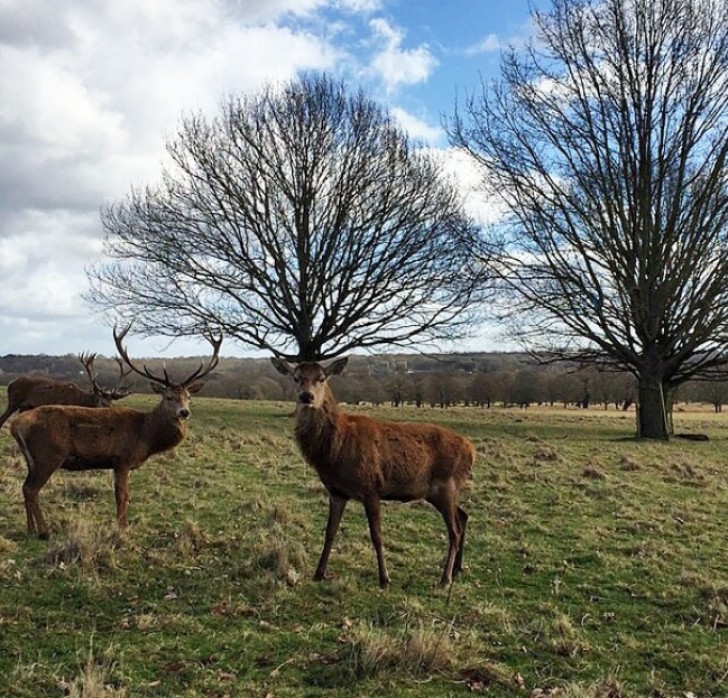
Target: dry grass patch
[374,651]
[190,539]
[87,546]
[94,681]
[546,454]
[629,463]
[607,688]
[593,472]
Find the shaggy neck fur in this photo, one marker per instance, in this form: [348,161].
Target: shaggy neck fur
[162,430]
[318,431]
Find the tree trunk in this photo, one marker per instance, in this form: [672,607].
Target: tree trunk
[652,421]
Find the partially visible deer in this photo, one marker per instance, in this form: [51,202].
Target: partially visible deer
[370,460]
[29,392]
[116,438]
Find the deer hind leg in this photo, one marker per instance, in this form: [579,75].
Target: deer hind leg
[463,522]
[336,511]
[36,478]
[444,499]
[31,488]
[372,506]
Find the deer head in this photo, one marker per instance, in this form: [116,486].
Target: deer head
[175,395]
[310,379]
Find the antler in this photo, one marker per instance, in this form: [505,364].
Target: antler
[200,372]
[121,390]
[87,359]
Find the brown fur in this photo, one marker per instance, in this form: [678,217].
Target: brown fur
[116,438]
[358,457]
[29,392]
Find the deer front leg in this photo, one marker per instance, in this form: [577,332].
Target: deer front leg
[336,511]
[372,506]
[121,490]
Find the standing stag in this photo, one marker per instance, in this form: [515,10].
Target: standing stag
[29,392]
[116,438]
[370,460]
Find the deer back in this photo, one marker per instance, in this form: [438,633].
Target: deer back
[28,392]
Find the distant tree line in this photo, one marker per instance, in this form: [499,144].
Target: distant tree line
[471,380]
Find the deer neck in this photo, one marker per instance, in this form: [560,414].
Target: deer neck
[88,400]
[317,429]
[162,430]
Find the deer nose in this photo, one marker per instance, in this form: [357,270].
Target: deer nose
[184,413]
[306,397]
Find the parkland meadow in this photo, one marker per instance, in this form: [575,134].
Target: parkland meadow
[595,565]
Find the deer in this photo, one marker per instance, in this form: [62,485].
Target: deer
[117,438]
[370,460]
[29,392]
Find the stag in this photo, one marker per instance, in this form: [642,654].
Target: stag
[370,460]
[29,392]
[116,438]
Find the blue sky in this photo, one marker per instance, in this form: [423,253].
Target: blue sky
[91,89]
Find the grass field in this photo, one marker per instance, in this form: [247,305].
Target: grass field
[595,566]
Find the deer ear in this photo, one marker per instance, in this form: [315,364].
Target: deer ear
[282,366]
[157,388]
[195,387]
[335,368]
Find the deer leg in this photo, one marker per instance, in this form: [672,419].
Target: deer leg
[336,511]
[36,478]
[31,487]
[372,506]
[444,500]
[121,490]
[6,415]
[463,522]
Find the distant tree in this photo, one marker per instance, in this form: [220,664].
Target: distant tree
[482,389]
[714,392]
[416,389]
[527,387]
[443,391]
[396,387]
[607,143]
[300,221]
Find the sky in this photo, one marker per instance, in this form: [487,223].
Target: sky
[90,90]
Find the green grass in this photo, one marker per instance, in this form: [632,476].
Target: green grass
[595,566]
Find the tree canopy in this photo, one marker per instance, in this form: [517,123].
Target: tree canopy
[301,220]
[606,140]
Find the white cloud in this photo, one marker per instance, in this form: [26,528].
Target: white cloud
[90,91]
[469,178]
[417,128]
[397,66]
[489,44]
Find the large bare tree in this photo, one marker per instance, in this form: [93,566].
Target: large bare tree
[301,220]
[607,139]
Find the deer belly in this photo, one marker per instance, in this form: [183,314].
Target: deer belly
[80,463]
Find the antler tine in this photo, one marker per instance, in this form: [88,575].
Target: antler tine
[123,373]
[144,371]
[87,359]
[201,372]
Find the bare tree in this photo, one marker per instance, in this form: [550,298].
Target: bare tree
[301,221]
[607,140]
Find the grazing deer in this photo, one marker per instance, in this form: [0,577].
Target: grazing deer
[29,392]
[116,438]
[370,460]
